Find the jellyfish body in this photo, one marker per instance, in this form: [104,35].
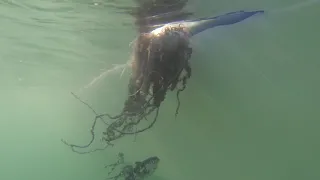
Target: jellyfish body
[199,25]
[160,64]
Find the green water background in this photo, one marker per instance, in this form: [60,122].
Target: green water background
[250,112]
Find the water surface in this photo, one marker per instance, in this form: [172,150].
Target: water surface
[250,110]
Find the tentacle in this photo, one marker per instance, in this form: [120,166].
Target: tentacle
[114,165]
[156,70]
[72,146]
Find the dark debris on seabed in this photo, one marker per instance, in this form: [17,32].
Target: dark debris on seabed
[137,171]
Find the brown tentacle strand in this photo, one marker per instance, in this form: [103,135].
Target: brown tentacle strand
[158,66]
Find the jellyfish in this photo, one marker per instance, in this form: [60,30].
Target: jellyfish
[160,63]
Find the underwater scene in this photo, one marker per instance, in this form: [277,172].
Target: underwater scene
[159,90]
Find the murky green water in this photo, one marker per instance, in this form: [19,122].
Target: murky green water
[250,110]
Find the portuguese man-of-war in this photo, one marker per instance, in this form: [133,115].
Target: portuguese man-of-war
[160,63]
[199,25]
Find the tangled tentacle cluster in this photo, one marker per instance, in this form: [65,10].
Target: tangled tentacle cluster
[160,64]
